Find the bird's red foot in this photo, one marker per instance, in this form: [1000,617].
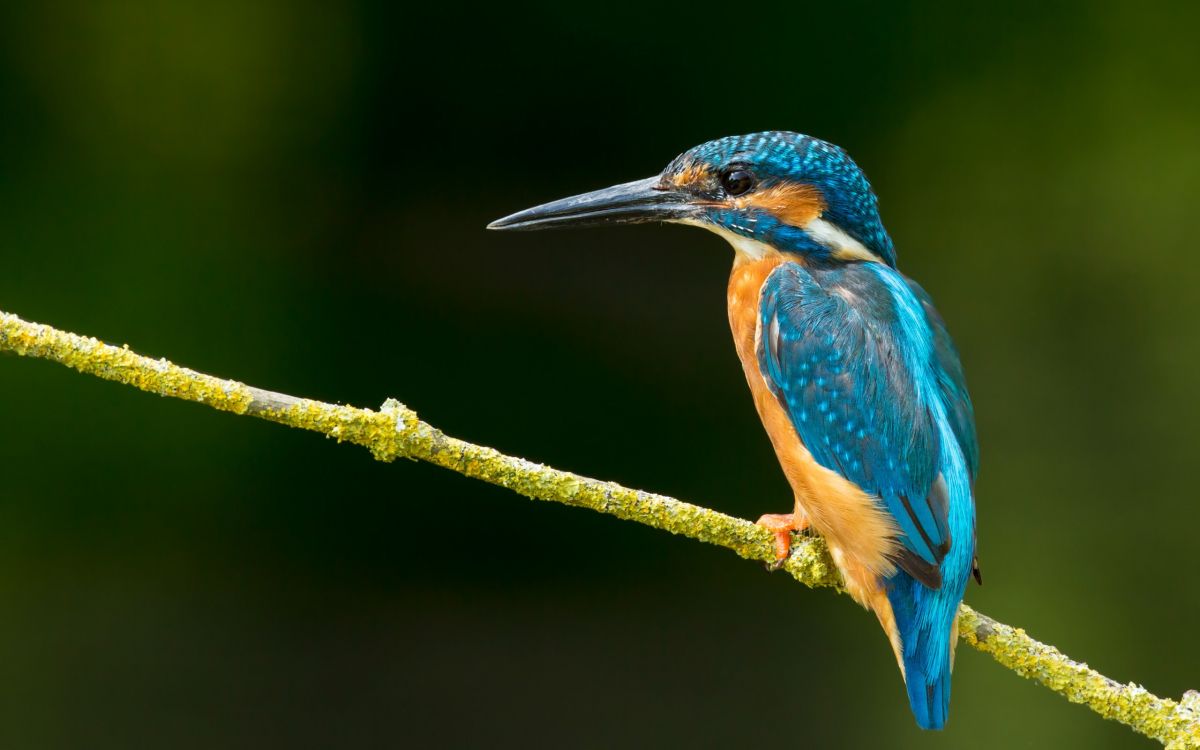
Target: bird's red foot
[782,525]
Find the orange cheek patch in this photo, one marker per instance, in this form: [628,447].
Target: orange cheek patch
[792,203]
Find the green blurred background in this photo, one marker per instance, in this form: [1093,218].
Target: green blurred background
[294,194]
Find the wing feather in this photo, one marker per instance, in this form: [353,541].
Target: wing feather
[834,355]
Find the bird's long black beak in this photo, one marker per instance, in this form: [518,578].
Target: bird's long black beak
[631,203]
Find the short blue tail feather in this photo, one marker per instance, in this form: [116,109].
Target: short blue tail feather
[924,618]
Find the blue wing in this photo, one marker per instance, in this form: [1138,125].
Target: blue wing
[857,382]
[951,381]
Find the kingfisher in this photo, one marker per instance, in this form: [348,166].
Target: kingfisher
[851,368]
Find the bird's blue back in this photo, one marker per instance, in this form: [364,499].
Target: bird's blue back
[871,381]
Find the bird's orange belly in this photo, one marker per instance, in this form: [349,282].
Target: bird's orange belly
[861,536]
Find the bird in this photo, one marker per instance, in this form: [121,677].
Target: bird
[852,371]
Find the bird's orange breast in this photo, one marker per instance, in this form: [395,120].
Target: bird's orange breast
[860,534]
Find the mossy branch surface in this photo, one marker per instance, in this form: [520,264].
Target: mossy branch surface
[394,431]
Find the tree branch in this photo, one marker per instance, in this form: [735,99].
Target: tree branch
[394,431]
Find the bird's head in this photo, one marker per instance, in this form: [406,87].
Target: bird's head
[765,191]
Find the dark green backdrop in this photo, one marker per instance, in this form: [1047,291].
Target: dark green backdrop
[294,195]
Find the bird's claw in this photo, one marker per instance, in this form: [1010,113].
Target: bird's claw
[781,526]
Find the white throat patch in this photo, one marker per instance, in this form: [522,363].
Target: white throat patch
[840,244]
[746,247]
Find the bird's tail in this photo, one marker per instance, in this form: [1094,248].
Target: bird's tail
[925,621]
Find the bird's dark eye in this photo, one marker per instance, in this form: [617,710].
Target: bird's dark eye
[737,181]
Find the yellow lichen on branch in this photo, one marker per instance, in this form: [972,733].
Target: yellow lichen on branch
[395,431]
[1174,723]
[119,364]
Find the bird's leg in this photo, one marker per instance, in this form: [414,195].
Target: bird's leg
[782,525]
